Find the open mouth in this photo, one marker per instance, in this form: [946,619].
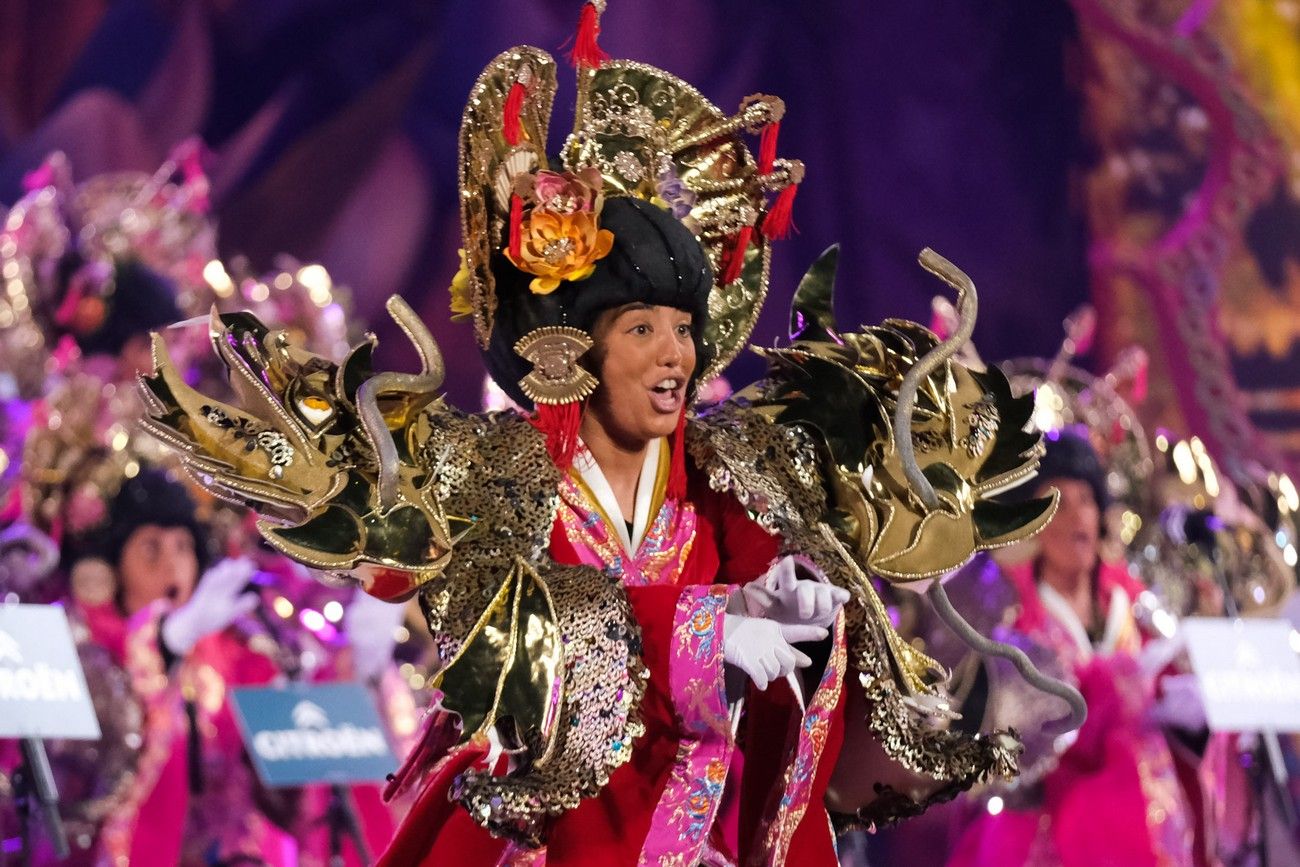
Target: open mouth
[666,395]
[1083,539]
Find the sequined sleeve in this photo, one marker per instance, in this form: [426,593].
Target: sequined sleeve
[163,723]
[772,471]
[144,652]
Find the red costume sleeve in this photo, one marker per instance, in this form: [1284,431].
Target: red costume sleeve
[740,549]
[611,828]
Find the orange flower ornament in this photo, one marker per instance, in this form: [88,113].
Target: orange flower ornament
[557,247]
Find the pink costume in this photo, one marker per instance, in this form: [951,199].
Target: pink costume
[234,818]
[1114,798]
[162,822]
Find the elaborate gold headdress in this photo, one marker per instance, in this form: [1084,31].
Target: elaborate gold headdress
[158,219]
[1065,395]
[639,132]
[82,445]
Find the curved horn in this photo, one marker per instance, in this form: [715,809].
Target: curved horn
[431,367]
[953,620]
[967,309]
[428,379]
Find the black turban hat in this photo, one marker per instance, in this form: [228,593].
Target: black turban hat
[1071,456]
[655,260]
[151,497]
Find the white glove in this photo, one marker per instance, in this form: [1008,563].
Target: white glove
[786,598]
[1159,654]
[218,600]
[371,626]
[1181,704]
[762,648]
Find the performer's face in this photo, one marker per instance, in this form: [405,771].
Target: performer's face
[1209,597]
[157,562]
[644,357]
[1068,543]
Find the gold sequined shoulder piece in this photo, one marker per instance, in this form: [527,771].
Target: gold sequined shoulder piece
[772,470]
[561,639]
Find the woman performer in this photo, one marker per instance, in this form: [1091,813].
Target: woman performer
[1118,773]
[655,631]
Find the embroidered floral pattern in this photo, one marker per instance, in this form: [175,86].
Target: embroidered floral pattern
[801,772]
[681,822]
[680,826]
[663,552]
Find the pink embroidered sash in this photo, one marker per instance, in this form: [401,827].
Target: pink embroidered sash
[680,826]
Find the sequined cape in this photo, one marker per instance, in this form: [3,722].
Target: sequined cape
[773,471]
[377,476]
[494,468]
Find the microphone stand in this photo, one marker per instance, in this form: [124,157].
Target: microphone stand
[341,815]
[34,786]
[1268,772]
[341,819]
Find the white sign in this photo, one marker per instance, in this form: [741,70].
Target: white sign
[1248,672]
[42,689]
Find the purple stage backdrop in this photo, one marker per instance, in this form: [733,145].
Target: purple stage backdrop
[333,131]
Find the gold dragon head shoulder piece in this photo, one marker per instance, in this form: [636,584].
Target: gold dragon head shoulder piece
[318,447]
[969,436]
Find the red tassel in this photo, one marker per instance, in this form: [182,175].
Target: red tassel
[560,425]
[779,221]
[676,489]
[1139,387]
[516,226]
[513,107]
[586,50]
[767,147]
[736,256]
[66,314]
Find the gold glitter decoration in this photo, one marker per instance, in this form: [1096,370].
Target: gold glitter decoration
[633,122]
[773,470]
[548,656]
[968,430]
[556,377]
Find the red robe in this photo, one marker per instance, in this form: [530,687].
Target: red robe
[611,828]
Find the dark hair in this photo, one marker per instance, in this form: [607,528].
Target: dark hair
[152,497]
[655,260]
[1070,456]
[141,300]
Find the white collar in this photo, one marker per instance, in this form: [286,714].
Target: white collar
[600,488]
[1061,609]
[1121,608]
